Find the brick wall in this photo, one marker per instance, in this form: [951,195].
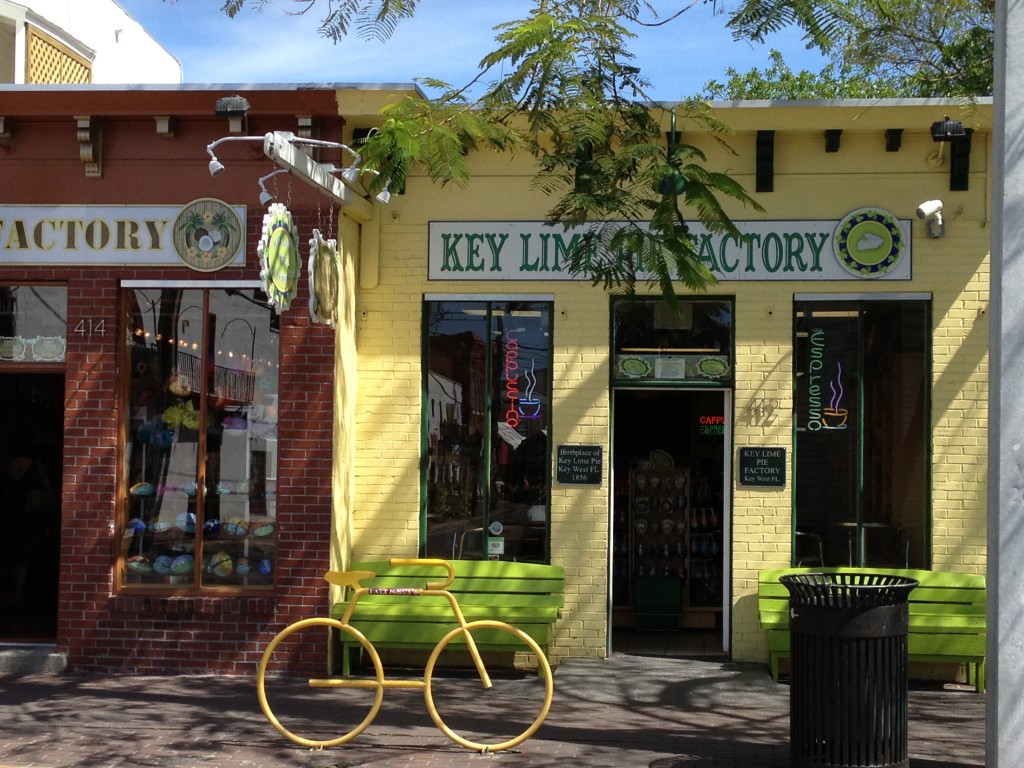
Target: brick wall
[102,630]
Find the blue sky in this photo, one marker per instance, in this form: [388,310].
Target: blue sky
[446,40]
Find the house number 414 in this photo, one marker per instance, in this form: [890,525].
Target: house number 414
[90,328]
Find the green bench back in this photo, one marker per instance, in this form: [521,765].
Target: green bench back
[486,589]
[527,595]
[941,599]
[474,579]
[946,610]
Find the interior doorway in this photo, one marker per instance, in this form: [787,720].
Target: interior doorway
[670,521]
[31,468]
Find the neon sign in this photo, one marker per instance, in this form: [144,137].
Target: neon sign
[832,416]
[521,405]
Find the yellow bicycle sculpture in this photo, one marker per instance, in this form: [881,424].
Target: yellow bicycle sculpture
[273,681]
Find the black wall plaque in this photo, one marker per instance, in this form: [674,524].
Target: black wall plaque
[579,464]
[762,467]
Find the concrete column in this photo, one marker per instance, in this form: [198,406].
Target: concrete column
[1005,705]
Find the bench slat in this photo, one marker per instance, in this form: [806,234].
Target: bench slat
[443,615]
[391,635]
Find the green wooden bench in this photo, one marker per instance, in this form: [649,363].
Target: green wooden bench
[526,595]
[946,611]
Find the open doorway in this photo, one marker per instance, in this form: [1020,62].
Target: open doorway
[670,558]
[31,467]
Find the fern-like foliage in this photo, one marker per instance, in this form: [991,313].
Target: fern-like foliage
[563,85]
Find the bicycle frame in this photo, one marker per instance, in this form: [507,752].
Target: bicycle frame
[437,589]
[378,683]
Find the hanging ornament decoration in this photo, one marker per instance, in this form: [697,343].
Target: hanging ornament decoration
[279,257]
[323,279]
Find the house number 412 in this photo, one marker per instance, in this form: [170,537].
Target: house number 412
[90,328]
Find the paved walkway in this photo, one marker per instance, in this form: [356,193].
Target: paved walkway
[619,712]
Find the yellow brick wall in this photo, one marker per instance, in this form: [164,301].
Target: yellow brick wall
[383,515]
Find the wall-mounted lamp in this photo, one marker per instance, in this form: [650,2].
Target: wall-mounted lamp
[931,212]
[216,166]
[234,108]
[352,175]
[947,130]
[265,196]
[285,149]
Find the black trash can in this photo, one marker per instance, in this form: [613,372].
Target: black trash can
[848,692]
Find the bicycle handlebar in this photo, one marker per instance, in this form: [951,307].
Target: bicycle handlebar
[428,562]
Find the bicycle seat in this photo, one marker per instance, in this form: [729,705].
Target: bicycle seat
[347,578]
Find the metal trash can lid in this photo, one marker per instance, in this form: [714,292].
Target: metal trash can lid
[847,589]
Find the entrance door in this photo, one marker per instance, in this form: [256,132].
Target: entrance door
[31,451]
[670,560]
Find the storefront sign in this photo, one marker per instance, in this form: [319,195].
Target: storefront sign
[868,243]
[762,467]
[579,464]
[115,235]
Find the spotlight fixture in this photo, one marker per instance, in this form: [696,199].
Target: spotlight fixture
[234,108]
[285,149]
[216,166]
[352,175]
[948,130]
[265,196]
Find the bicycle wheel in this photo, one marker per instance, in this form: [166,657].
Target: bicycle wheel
[319,707]
[502,716]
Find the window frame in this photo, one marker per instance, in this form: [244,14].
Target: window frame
[198,584]
[858,302]
[490,302]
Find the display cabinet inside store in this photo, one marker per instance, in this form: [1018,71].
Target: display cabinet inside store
[670,535]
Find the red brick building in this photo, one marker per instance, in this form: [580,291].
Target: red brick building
[167,452]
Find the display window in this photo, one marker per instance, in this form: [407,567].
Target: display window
[863,373]
[487,406]
[200,439]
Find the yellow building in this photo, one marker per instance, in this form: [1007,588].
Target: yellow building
[824,403]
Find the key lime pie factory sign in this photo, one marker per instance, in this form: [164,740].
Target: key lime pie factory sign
[206,234]
[868,243]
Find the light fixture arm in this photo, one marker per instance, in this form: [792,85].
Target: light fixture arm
[351,178]
[265,196]
[283,147]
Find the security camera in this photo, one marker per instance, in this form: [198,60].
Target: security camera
[931,212]
[929,209]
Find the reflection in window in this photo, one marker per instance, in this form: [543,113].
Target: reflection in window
[33,323]
[487,388]
[201,432]
[655,343]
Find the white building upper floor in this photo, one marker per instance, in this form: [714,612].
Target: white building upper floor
[78,42]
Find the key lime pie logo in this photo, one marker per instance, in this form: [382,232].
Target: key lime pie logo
[869,242]
[207,235]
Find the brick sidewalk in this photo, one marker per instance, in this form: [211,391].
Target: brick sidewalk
[619,712]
